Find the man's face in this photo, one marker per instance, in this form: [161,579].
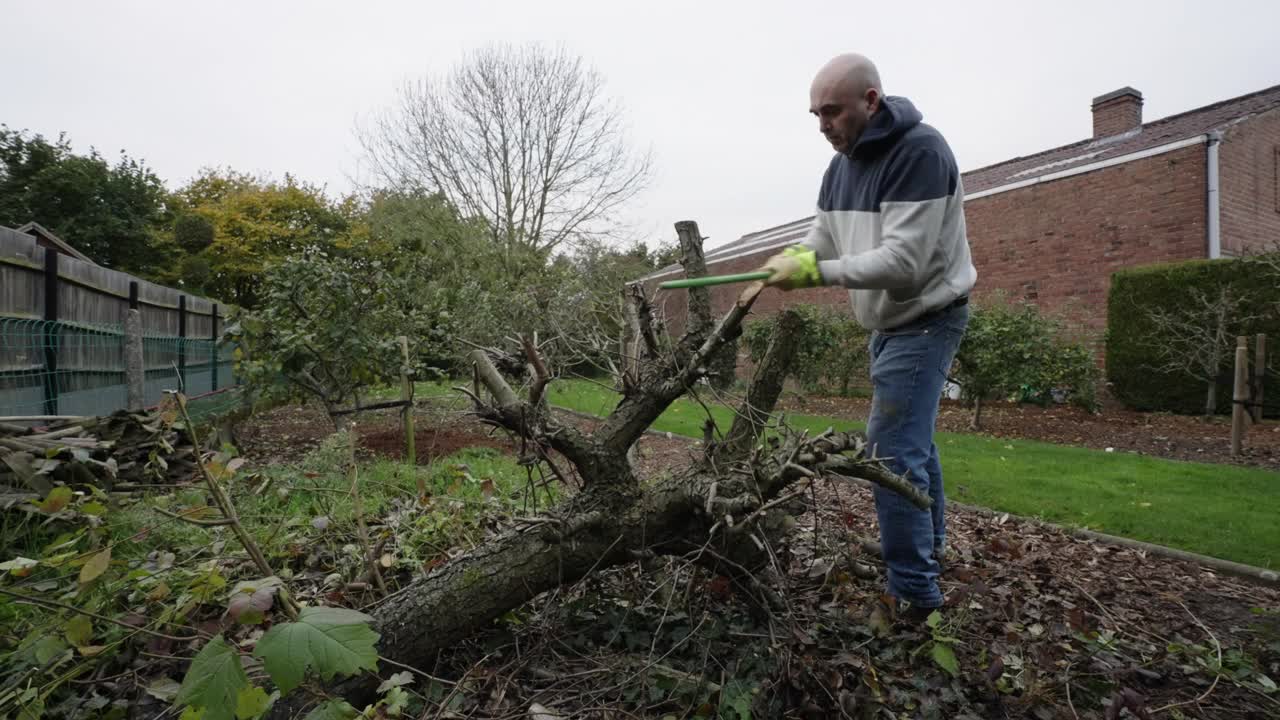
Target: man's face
[842,114]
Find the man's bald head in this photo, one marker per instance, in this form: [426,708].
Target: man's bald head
[844,95]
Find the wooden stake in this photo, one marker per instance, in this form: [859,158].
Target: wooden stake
[1259,375]
[406,394]
[1240,394]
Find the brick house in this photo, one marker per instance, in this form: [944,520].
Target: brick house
[1052,227]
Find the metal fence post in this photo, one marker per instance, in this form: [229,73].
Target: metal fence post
[51,334]
[134,369]
[182,343]
[213,350]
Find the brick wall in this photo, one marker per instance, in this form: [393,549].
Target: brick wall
[1248,161]
[1057,243]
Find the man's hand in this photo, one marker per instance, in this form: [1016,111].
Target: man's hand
[793,269]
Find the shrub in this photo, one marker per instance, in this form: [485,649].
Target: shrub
[1155,313]
[833,351]
[1013,351]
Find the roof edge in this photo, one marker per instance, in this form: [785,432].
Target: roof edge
[1144,126]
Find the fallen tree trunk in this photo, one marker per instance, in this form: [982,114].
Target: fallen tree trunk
[717,512]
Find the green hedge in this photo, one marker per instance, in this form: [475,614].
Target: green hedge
[1133,338]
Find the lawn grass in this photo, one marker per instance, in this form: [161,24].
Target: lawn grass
[1218,510]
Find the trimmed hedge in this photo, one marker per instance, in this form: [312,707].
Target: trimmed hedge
[1132,337]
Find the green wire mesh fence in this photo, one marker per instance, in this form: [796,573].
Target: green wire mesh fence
[62,368]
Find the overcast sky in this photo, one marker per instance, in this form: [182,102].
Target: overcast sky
[718,90]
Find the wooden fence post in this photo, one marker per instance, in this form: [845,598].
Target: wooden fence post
[406,394]
[1259,374]
[51,334]
[213,350]
[134,371]
[182,345]
[1240,394]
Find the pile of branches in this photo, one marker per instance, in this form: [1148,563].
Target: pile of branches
[121,451]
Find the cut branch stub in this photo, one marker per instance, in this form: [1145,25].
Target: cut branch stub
[699,300]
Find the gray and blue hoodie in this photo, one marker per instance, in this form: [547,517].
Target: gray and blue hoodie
[890,221]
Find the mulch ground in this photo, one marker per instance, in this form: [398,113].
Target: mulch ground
[1043,624]
[1176,437]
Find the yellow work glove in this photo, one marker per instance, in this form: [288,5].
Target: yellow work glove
[793,268]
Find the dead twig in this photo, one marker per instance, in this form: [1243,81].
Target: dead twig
[1217,672]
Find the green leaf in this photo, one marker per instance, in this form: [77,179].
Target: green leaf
[47,648]
[1267,683]
[934,619]
[327,640]
[333,710]
[93,507]
[214,681]
[79,631]
[95,567]
[57,499]
[251,702]
[396,701]
[946,659]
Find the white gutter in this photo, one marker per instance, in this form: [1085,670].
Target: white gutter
[755,246]
[1214,210]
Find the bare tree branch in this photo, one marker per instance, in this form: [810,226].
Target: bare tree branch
[522,138]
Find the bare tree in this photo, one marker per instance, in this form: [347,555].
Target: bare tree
[1198,336]
[523,138]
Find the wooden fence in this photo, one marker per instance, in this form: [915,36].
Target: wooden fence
[63,335]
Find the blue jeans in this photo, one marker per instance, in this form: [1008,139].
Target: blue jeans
[908,371]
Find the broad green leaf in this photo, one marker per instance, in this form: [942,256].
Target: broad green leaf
[79,630]
[57,499]
[93,507]
[96,566]
[946,659]
[47,648]
[333,710]
[252,702]
[214,681]
[326,640]
[1267,683]
[934,619]
[192,713]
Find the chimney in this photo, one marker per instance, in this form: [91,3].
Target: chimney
[1117,112]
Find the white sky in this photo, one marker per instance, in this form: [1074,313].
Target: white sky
[718,90]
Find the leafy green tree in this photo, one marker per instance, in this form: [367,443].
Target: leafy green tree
[232,227]
[113,213]
[328,325]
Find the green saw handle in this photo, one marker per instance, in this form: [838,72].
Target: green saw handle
[715,280]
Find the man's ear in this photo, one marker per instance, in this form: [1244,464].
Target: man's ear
[873,100]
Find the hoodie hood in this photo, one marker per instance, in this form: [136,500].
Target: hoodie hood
[895,116]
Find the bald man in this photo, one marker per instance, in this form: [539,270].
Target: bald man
[890,227]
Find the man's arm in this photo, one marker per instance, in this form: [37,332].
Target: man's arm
[911,217]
